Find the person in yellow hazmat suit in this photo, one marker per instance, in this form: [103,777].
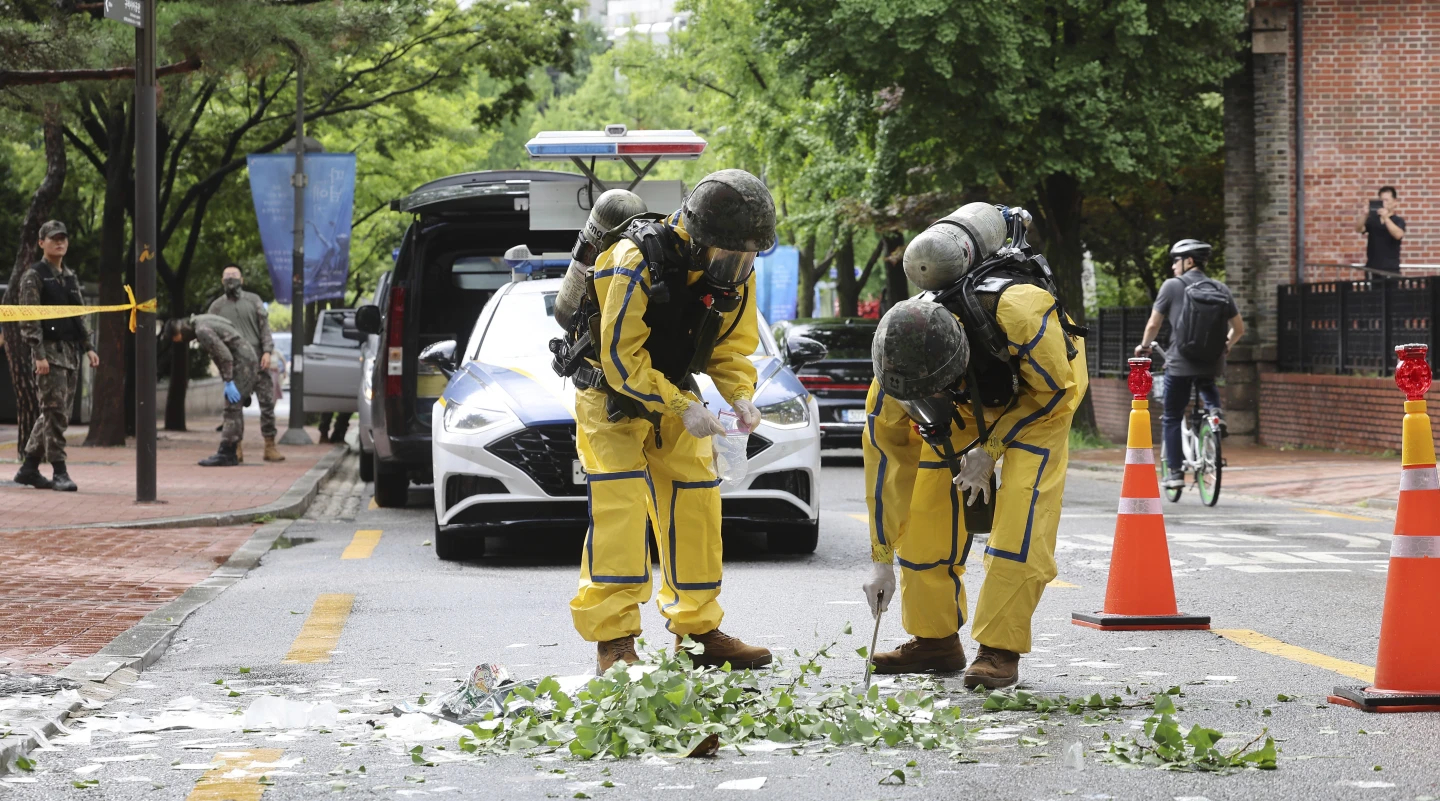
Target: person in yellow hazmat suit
[993,336]
[672,297]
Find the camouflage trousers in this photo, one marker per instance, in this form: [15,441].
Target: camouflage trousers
[265,396]
[233,428]
[57,400]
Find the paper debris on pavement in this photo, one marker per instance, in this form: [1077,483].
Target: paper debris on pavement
[742,784]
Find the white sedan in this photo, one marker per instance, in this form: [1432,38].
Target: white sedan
[503,438]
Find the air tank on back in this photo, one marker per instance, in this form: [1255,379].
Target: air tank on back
[610,210]
[954,245]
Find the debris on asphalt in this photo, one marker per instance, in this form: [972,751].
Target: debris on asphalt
[274,712]
[742,784]
[1074,757]
[31,684]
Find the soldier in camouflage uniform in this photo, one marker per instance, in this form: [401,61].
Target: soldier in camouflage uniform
[58,347]
[247,311]
[238,366]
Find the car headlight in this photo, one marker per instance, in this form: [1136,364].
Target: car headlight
[791,413]
[478,411]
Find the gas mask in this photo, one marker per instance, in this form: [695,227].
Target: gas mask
[232,286]
[933,412]
[726,268]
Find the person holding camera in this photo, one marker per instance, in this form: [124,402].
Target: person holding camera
[1384,228]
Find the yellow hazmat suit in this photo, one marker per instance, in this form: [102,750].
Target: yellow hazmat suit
[915,510]
[633,475]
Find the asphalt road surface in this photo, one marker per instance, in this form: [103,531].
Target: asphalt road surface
[1270,574]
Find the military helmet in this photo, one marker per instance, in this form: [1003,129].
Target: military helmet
[918,350]
[954,245]
[730,210]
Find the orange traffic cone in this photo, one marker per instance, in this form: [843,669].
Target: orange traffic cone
[1140,595]
[1407,672]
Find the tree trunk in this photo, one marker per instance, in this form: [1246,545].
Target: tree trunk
[1061,199]
[22,366]
[805,303]
[179,366]
[107,409]
[897,286]
[847,290]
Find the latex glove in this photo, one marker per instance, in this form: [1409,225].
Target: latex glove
[700,422]
[976,467]
[748,414]
[880,587]
[232,392]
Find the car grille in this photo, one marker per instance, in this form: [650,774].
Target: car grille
[795,482]
[546,454]
[460,487]
[755,444]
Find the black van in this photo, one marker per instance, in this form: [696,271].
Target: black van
[448,267]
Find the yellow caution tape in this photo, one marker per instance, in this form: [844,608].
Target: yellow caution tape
[16,314]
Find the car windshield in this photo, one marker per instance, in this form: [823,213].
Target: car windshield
[847,342]
[524,323]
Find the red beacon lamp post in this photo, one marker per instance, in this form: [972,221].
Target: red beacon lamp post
[1140,381]
[1412,375]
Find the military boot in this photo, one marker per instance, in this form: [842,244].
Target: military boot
[608,652]
[29,474]
[923,655]
[272,453]
[721,648]
[224,457]
[994,668]
[61,478]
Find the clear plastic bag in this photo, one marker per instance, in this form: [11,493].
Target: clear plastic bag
[731,462]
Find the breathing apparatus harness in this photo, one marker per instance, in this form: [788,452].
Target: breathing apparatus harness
[684,318]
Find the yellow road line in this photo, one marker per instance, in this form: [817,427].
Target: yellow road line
[214,786]
[1063,585]
[1329,513]
[860,517]
[1274,647]
[321,632]
[362,544]
[373,504]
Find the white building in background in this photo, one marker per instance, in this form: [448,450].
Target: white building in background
[653,18]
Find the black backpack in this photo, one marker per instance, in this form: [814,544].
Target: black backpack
[1203,325]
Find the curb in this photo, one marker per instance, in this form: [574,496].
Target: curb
[289,506]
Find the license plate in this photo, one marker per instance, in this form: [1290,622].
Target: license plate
[852,415]
[577,473]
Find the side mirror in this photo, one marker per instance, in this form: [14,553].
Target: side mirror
[367,320]
[353,334]
[801,352]
[440,355]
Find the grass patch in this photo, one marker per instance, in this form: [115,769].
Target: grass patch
[1083,440]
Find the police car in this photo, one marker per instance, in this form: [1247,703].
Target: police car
[503,437]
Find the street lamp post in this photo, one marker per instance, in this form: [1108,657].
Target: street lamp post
[145,254]
[295,433]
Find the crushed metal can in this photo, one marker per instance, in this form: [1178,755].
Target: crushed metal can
[487,693]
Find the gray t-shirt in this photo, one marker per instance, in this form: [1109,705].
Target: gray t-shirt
[1168,301]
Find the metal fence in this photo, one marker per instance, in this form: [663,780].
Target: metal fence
[1352,327]
[1114,333]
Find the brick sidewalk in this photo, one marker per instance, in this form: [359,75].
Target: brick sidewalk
[64,595]
[1304,476]
[107,480]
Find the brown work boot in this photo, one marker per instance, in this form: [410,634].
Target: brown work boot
[272,453]
[993,669]
[240,452]
[608,652]
[923,655]
[721,648]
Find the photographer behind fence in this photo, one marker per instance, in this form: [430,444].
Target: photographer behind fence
[1204,323]
[1384,228]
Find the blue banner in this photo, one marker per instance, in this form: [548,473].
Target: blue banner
[329,206]
[777,282]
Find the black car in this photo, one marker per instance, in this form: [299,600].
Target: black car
[840,380]
[448,266]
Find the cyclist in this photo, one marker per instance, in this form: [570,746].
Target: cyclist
[1204,323]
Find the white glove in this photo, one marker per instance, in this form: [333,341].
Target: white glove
[880,587]
[976,467]
[700,422]
[748,414]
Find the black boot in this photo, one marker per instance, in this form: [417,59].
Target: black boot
[61,481]
[225,457]
[29,474]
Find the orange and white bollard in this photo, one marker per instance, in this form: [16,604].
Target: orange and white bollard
[1140,595]
[1407,672]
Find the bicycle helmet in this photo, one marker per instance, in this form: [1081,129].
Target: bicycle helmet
[1191,248]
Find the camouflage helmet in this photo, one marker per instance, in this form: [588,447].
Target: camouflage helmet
[731,210]
[918,350]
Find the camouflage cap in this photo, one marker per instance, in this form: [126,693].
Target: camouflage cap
[53,228]
[918,350]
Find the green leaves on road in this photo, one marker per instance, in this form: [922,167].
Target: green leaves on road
[1169,746]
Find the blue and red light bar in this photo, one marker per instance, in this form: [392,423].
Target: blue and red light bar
[615,142]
